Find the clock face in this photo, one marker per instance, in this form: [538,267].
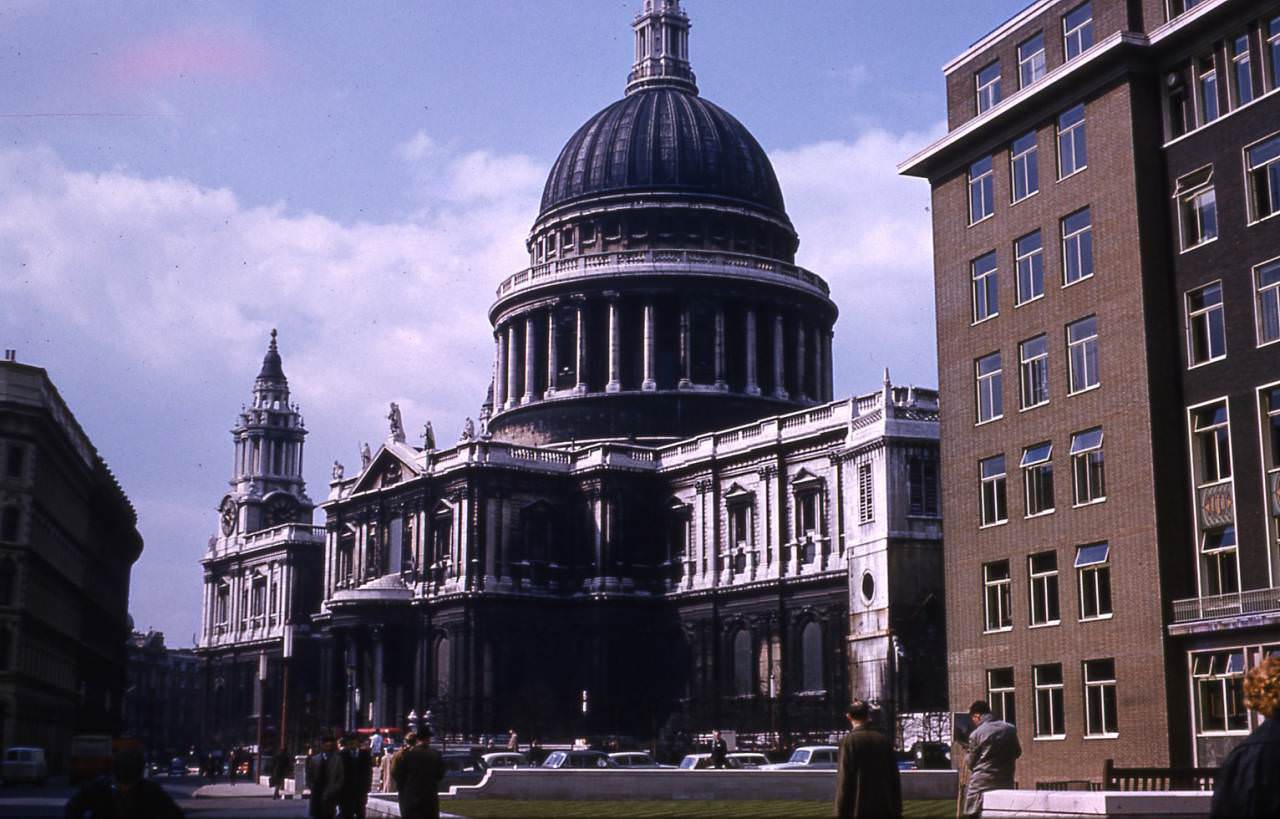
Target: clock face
[228,517]
[279,511]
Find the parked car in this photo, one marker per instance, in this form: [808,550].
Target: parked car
[24,765]
[506,759]
[735,761]
[579,759]
[745,759]
[635,759]
[462,768]
[808,758]
[931,756]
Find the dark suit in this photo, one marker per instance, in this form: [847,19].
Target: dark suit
[417,773]
[324,777]
[1249,781]
[357,778]
[868,784]
[719,752]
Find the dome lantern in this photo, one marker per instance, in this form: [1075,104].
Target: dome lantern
[662,48]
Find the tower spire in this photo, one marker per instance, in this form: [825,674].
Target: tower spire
[662,48]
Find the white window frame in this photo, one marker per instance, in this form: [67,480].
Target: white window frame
[997,592]
[1029,173]
[1220,666]
[1271,42]
[1190,192]
[1077,33]
[985,288]
[1050,691]
[866,493]
[989,90]
[1206,78]
[1073,246]
[1034,60]
[1210,432]
[1091,575]
[990,386]
[997,484]
[1220,563]
[1003,698]
[1037,467]
[741,530]
[1089,378]
[1073,134]
[1028,367]
[1204,315]
[1082,455]
[985,182]
[1027,262]
[1044,587]
[1264,293]
[1241,62]
[1100,684]
[1266,168]
[1176,8]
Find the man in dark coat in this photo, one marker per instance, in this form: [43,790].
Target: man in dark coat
[357,773]
[719,750]
[1249,782]
[125,794]
[868,785]
[417,773]
[324,777]
[993,753]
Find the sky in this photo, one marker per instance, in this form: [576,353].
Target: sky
[178,178]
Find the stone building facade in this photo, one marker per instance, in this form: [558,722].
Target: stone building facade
[68,541]
[164,699]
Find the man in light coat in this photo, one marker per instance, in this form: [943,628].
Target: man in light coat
[993,751]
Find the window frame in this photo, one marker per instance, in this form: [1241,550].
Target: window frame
[1230,682]
[1054,692]
[1262,292]
[1204,76]
[1046,585]
[1241,62]
[1069,134]
[985,182]
[1029,174]
[986,283]
[1037,478]
[1085,344]
[1205,313]
[1083,455]
[1101,684]
[1266,167]
[1091,576]
[1083,31]
[988,89]
[1003,699]
[1187,194]
[1270,31]
[1223,560]
[1036,363]
[1026,59]
[998,483]
[866,494]
[994,387]
[997,592]
[1078,235]
[1031,259]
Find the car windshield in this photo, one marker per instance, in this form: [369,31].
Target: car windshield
[799,757]
[688,762]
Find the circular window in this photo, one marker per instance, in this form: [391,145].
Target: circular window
[868,587]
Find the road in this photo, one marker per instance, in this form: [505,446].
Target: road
[50,800]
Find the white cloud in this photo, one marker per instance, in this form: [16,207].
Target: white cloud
[868,232]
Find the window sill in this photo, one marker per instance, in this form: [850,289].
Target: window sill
[1025,302]
[1206,362]
[990,420]
[994,525]
[1050,624]
[1095,737]
[1086,389]
[1074,282]
[1259,221]
[1093,502]
[1098,619]
[1053,738]
[1198,245]
[1240,733]
[985,319]
[1004,630]
[1034,406]
[1076,172]
[1043,514]
[1201,126]
[991,215]
[1262,344]
[1031,195]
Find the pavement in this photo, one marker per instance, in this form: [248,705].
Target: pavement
[246,800]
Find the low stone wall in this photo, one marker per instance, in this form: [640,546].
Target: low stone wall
[671,784]
[1069,804]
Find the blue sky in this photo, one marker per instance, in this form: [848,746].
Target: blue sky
[177,178]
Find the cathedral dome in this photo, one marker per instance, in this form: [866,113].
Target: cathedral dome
[663,138]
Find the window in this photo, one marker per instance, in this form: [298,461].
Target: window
[1077,247]
[1082,354]
[1207,90]
[1088,467]
[988,83]
[1263,171]
[1031,63]
[1093,567]
[1037,478]
[1267,277]
[1050,716]
[1197,208]
[16,460]
[866,494]
[1043,570]
[1219,567]
[1271,430]
[1206,325]
[1177,7]
[1073,148]
[1034,355]
[1219,683]
[742,682]
[994,508]
[1182,114]
[986,293]
[222,606]
[811,647]
[1241,70]
[806,513]
[1077,30]
[1025,167]
[259,597]
[997,596]
[922,486]
[1000,694]
[1029,253]
[982,195]
[990,388]
[1273,50]
[740,525]
[1212,445]
[1100,698]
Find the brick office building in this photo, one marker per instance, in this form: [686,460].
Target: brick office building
[1105,305]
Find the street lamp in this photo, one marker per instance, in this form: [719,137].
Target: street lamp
[262,708]
[773,717]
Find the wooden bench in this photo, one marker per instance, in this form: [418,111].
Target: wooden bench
[1156,779]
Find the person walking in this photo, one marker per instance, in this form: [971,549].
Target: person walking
[417,773]
[125,794]
[993,753]
[719,750]
[868,785]
[279,770]
[1248,784]
[513,741]
[357,773]
[324,776]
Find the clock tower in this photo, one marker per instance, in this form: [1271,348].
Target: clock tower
[267,488]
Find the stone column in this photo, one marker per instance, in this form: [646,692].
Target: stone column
[719,350]
[828,379]
[530,357]
[512,374]
[800,360]
[819,391]
[615,346]
[779,359]
[650,383]
[553,354]
[379,708]
[581,354]
[753,369]
[500,372]
[686,349]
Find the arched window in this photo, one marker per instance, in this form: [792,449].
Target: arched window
[444,668]
[8,577]
[811,648]
[9,523]
[742,663]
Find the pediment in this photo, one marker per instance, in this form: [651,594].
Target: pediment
[387,469]
[737,492]
[805,478]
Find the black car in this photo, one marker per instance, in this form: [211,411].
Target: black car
[931,756]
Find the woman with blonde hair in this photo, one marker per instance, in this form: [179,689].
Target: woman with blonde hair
[1249,782]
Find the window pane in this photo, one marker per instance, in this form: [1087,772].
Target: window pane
[1092,555]
[1083,441]
[1030,259]
[1036,454]
[992,467]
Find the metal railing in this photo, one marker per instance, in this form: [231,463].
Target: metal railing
[1253,601]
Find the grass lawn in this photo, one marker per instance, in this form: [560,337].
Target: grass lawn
[502,808]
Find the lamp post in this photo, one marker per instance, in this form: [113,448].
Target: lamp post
[773,719]
[262,709]
[285,656]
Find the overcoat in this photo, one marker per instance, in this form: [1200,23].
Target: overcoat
[418,772]
[325,777]
[1249,782]
[868,785]
[993,751]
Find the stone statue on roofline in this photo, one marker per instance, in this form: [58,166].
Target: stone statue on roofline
[338,471]
[468,429]
[366,457]
[397,423]
[429,438]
